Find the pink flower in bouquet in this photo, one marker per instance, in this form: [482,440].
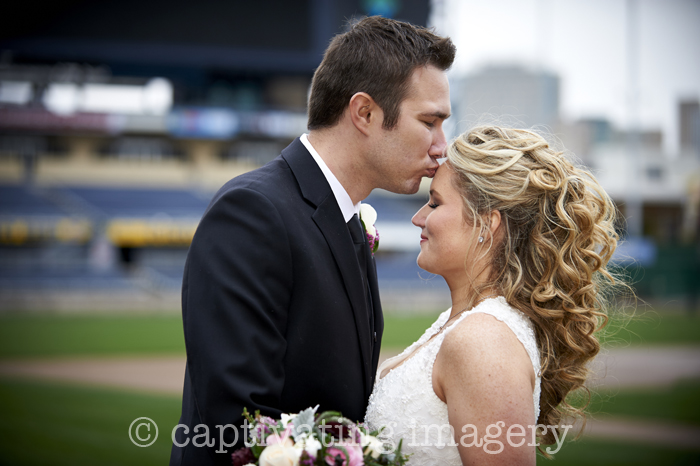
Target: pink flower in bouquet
[353,458]
[283,438]
[275,439]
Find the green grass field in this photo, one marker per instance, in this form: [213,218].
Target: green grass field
[39,335]
[678,403]
[63,424]
[69,424]
[588,452]
[52,335]
[652,328]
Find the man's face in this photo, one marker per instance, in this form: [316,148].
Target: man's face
[408,152]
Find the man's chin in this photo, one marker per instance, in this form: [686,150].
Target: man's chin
[416,184]
[407,189]
[413,190]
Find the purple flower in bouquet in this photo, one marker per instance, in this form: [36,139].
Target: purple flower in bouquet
[243,456]
[268,424]
[262,427]
[342,432]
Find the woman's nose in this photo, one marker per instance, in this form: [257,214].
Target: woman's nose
[419,218]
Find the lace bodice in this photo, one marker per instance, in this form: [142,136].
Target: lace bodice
[403,400]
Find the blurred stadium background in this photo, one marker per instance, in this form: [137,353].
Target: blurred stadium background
[119,120]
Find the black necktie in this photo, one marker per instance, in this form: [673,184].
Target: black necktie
[358,237]
[361,250]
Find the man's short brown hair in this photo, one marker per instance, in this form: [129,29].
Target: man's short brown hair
[377,56]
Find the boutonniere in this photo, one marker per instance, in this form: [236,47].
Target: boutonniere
[368,216]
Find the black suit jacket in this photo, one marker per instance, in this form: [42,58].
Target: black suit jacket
[273,307]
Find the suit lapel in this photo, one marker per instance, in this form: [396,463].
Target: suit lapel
[343,250]
[329,220]
[378,315]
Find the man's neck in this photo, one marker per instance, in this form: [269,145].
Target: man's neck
[341,154]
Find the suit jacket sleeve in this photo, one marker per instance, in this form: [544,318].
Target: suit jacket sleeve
[236,293]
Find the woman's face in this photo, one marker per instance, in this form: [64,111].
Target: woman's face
[447,241]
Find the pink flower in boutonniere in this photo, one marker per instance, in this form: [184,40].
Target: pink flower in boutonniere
[368,216]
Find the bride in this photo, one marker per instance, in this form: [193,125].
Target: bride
[522,238]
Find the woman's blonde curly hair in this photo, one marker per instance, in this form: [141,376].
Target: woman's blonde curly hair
[558,236]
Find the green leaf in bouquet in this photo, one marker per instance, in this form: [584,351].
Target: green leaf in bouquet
[399,458]
[330,416]
[257,450]
[249,417]
[304,421]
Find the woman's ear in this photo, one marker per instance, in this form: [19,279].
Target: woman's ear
[494,222]
[363,112]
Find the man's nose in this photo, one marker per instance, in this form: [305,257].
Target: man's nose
[437,150]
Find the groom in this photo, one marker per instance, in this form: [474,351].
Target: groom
[279,300]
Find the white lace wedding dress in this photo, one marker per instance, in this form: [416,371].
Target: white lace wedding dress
[403,399]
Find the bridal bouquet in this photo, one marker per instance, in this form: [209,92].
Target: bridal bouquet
[310,439]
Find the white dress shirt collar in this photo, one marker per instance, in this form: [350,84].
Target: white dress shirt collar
[341,195]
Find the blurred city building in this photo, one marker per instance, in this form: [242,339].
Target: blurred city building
[658,195]
[512,95]
[689,118]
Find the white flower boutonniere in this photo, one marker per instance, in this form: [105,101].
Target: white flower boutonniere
[368,216]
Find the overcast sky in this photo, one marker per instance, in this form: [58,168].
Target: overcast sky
[585,43]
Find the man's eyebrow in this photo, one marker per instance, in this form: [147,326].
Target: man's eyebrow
[438,114]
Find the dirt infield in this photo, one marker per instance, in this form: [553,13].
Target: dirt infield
[161,374]
[614,368]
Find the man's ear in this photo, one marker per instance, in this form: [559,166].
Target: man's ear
[364,112]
